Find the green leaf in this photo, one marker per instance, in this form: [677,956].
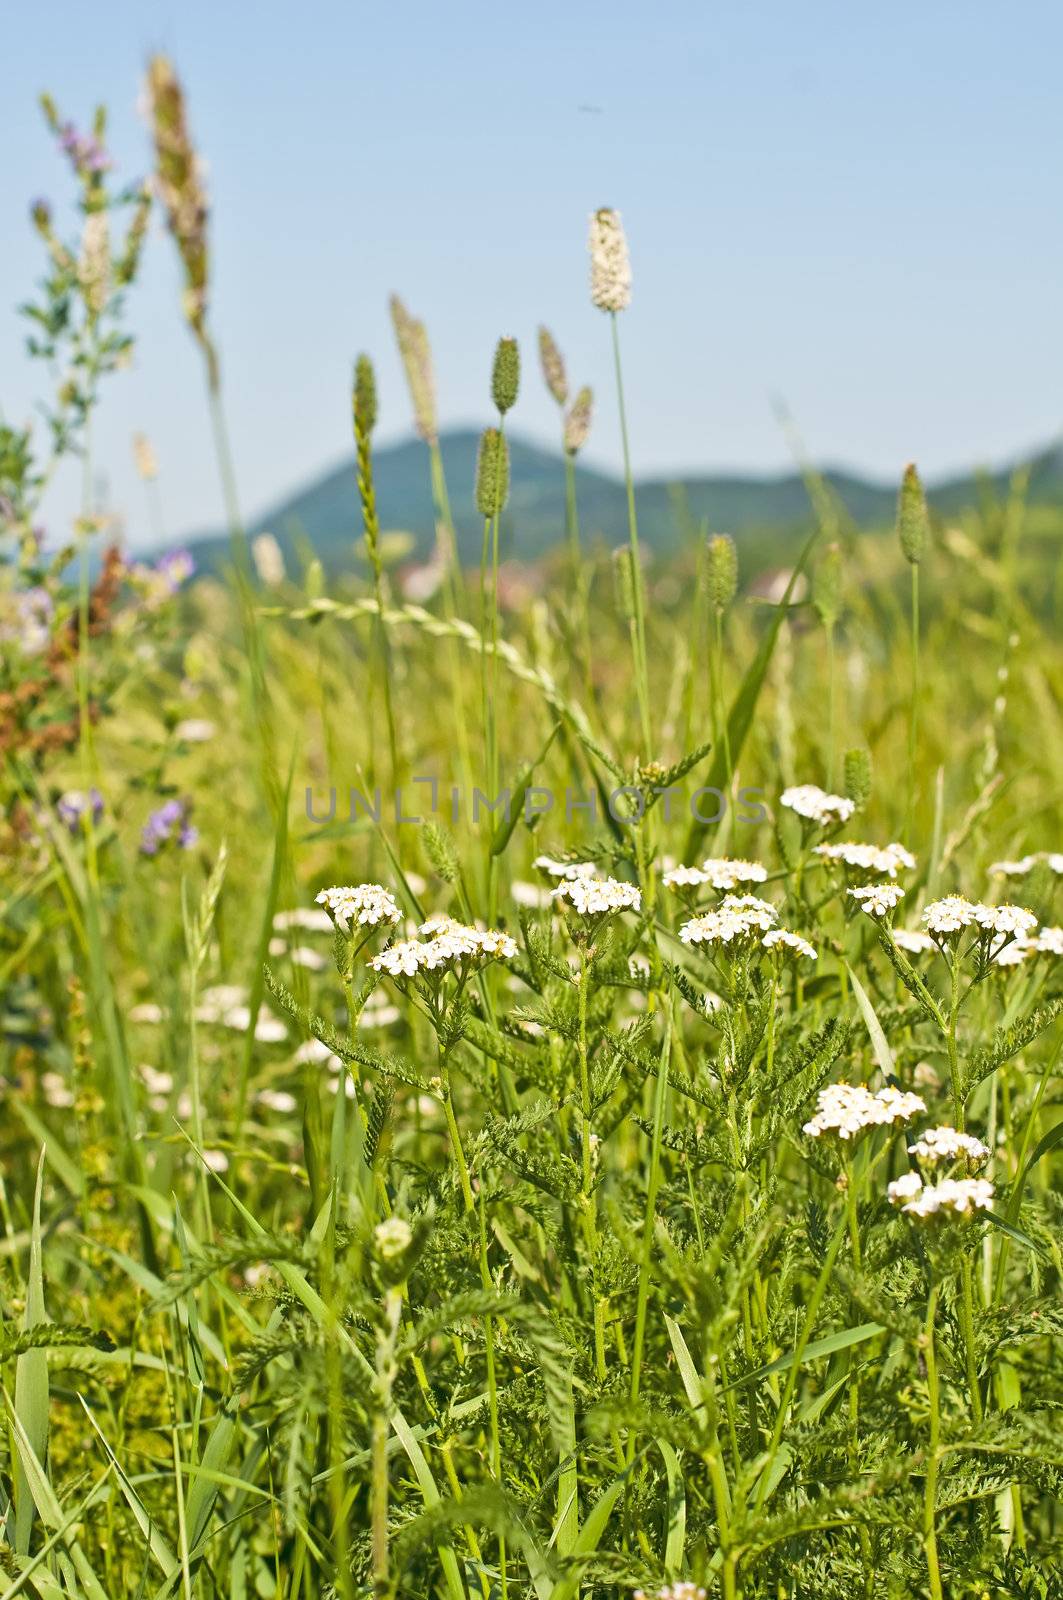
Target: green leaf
[503,832]
[685,1362]
[811,1352]
[1013,1232]
[879,1042]
[745,701]
[31,1381]
[588,1540]
[675,1542]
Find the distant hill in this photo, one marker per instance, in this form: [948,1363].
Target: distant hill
[326,515]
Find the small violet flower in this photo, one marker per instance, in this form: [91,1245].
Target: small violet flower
[169,824]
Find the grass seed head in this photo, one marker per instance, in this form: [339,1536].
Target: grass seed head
[492,473]
[723,571]
[913,522]
[505,375]
[365,404]
[827,586]
[416,355]
[610,264]
[857,771]
[179,185]
[553,365]
[144,457]
[578,421]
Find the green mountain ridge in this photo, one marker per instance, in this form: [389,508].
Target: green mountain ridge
[326,513]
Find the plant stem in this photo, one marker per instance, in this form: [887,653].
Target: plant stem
[958,1110]
[588,1201]
[913,720]
[579,578]
[832,713]
[968,1337]
[931,1483]
[639,641]
[653,1176]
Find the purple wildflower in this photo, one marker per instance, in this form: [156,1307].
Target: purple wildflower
[75,804]
[33,610]
[84,149]
[170,823]
[175,568]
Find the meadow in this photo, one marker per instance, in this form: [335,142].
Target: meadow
[519,1088]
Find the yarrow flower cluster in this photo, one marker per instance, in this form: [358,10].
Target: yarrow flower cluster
[947,1144]
[1005,919]
[960,1196]
[450,942]
[1048,942]
[595,897]
[782,938]
[367,904]
[868,857]
[846,1109]
[392,1237]
[816,805]
[675,1591]
[565,869]
[878,898]
[736,917]
[951,914]
[75,804]
[913,941]
[1053,860]
[169,824]
[719,872]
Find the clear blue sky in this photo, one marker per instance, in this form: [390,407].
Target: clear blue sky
[854,207]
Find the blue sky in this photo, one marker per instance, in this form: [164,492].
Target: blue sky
[853,207]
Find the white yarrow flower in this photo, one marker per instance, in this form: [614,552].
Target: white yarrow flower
[736,917]
[782,937]
[878,898]
[451,942]
[723,872]
[868,857]
[1049,942]
[675,1591]
[392,1237]
[1013,869]
[961,1196]
[402,960]
[951,914]
[684,878]
[565,869]
[367,904]
[913,941]
[847,1109]
[1005,919]
[305,917]
[904,1188]
[595,897]
[947,1144]
[815,805]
